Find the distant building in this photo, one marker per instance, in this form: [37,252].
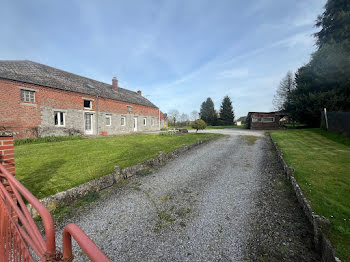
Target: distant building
[39,100]
[264,121]
[241,121]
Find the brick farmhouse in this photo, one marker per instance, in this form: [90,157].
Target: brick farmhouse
[39,100]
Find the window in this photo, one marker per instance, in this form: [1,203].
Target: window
[145,121]
[108,120]
[87,104]
[122,121]
[268,119]
[59,118]
[264,120]
[152,121]
[129,108]
[27,96]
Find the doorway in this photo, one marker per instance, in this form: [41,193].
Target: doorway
[88,123]
[135,124]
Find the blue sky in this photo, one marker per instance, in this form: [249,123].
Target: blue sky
[177,52]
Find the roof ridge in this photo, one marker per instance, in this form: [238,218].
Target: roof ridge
[36,73]
[63,71]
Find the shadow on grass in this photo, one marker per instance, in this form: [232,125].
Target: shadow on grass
[40,179]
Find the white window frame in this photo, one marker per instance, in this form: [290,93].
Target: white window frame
[123,124]
[59,114]
[145,121]
[110,120]
[129,107]
[268,119]
[30,94]
[90,101]
[152,121]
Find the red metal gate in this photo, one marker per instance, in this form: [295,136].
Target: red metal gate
[20,238]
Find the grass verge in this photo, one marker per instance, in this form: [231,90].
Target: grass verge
[322,169]
[61,212]
[49,168]
[45,139]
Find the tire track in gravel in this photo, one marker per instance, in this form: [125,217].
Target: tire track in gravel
[202,206]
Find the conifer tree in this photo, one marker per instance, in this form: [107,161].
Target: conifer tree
[226,112]
[207,112]
[324,81]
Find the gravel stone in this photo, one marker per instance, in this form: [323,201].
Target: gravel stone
[223,201]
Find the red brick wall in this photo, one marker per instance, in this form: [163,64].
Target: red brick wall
[13,114]
[7,154]
[21,117]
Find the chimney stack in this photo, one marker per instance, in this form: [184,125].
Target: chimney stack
[139,92]
[115,84]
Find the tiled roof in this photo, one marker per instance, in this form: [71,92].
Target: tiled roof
[35,73]
[242,118]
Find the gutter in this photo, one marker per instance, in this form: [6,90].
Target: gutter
[96,115]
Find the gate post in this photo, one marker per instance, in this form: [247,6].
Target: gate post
[7,156]
[7,153]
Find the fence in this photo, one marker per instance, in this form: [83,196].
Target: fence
[338,122]
[20,238]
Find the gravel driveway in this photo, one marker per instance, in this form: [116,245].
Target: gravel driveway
[223,201]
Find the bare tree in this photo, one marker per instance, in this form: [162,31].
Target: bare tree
[194,115]
[285,87]
[184,117]
[173,115]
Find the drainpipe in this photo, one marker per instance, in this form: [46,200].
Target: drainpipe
[96,115]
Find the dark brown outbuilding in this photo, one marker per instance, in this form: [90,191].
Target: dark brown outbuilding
[264,120]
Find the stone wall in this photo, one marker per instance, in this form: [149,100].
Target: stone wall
[321,225]
[98,184]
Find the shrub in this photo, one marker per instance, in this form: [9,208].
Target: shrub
[199,125]
[183,131]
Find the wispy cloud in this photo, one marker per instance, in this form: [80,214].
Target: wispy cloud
[234,73]
[177,52]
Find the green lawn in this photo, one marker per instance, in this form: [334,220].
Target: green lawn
[51,167]
[322,169]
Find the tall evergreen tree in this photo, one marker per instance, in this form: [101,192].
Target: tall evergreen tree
[324,81]
[207,112]
[226,112]
[334,23]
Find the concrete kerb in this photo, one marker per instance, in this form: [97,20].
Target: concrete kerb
[69,196]
[321,225]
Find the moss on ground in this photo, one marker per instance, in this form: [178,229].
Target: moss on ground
[250,139]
